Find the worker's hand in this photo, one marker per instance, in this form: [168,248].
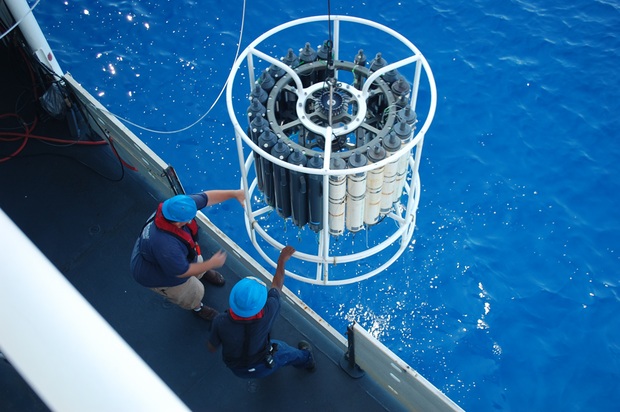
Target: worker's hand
[240,196]
[286,254]
[218,260]
[211,347]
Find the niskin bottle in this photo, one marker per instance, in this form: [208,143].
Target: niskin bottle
[356,193]
[377,103]
[391,144]
[256,109]
[281,187]
[391,77]
[258,126]
[360,60]
[404,132]
[315,195]
[288,98]
[266,81]
[260,94]
[299,189]
[266,141]
[377,63]
[322,53]
[374,185]
[276,72]
[401,90]
[337,195]
[408,116]
[307,55]
[290,59]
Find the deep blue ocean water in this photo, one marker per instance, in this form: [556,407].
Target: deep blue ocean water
[508,299]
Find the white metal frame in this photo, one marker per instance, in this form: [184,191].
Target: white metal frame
[406,221]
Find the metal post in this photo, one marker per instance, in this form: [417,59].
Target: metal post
[33,34]
[347,362]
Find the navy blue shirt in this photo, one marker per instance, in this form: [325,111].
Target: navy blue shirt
[231,334]
[158,257]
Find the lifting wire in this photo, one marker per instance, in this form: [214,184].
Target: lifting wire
[330,66]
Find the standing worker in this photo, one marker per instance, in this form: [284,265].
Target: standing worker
[243,331]
[166,257]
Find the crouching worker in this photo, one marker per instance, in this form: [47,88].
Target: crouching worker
[166,257]
[243,330]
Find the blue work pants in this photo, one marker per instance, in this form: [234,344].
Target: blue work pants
[284,356]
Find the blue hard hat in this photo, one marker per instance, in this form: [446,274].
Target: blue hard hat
[248,297]
[180,208]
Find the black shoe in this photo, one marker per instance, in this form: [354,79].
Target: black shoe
[306,346]
[213,277]
[207,313]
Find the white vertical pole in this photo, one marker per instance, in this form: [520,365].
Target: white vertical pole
[251,76]
[336,40]
[413,101]
[33,34]
[326,160]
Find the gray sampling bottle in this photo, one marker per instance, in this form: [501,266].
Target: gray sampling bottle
[299,189]
[266,141]
[280,180]
[315,195]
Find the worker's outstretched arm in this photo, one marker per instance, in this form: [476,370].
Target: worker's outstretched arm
[278,279]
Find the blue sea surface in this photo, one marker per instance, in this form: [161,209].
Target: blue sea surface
[507,298]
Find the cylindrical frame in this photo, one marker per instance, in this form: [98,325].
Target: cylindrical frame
[406,222]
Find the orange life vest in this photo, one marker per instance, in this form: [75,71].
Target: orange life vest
[190,240]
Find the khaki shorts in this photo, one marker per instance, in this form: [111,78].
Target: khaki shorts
[187,295]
